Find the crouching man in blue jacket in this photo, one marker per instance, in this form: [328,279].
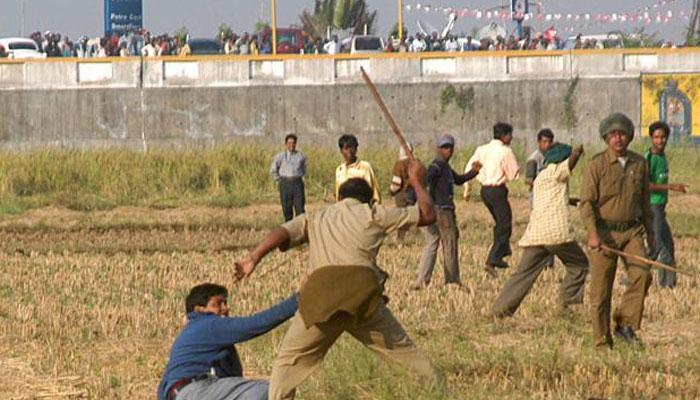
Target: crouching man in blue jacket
[204,364]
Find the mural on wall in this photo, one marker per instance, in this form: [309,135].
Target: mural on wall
[674,99]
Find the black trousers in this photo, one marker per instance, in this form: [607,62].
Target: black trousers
[292,197]
[496,200]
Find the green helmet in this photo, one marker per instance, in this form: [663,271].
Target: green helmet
[617,122]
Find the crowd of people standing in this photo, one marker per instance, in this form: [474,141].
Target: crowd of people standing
[143,43]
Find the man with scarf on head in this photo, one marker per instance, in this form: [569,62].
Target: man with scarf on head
[616,209]
[548,234]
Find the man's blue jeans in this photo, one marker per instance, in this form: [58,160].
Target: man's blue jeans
[664,245]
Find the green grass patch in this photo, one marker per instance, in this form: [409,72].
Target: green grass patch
[233,176]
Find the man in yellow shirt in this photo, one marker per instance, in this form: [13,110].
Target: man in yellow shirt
[354,168]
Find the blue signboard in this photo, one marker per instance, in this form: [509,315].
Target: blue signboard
[123,15]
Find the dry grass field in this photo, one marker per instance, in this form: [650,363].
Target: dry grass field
[90,303]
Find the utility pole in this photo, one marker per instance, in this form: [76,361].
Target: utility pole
[273,15]
[400,26]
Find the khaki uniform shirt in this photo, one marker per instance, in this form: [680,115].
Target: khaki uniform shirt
[549,220]
[616,194]
[348,232]
[359,169]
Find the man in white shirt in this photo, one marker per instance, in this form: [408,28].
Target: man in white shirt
[499,166]
[148,50]
[332,46]
[418,44]
[451,44]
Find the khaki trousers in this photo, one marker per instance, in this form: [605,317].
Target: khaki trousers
[303,349]
[531,265]
[603,267]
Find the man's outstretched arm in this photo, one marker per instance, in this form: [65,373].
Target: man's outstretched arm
[234,330]
[676,187]
[575,156]
[277,238]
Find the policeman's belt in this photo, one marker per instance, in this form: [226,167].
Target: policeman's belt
[616,226]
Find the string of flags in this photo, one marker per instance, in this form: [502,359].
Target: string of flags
[648,15]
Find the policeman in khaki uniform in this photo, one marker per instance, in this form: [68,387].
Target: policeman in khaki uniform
[616,210]
[344,240]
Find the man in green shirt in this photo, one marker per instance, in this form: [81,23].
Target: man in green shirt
[659,187]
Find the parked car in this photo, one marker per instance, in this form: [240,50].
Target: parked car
[21,48]
[289,40]
[202,47]
[366,44]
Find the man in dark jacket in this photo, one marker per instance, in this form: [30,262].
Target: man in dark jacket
[441,179]
[204,364]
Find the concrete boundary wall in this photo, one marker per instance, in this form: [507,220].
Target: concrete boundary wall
[141,103]
[225,71]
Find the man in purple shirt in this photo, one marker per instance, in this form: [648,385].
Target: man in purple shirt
[204,364]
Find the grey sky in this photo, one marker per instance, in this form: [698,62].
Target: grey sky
[202,17]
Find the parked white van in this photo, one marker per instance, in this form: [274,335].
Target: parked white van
[21,48]
[366,44]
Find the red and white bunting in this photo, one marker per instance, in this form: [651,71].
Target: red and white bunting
[647,15]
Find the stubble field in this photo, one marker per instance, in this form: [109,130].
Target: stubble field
[99,249]
[90,303]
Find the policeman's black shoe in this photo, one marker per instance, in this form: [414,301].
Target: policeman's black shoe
[627,334]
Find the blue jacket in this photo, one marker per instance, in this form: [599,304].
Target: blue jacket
[207,341]
[441,179]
